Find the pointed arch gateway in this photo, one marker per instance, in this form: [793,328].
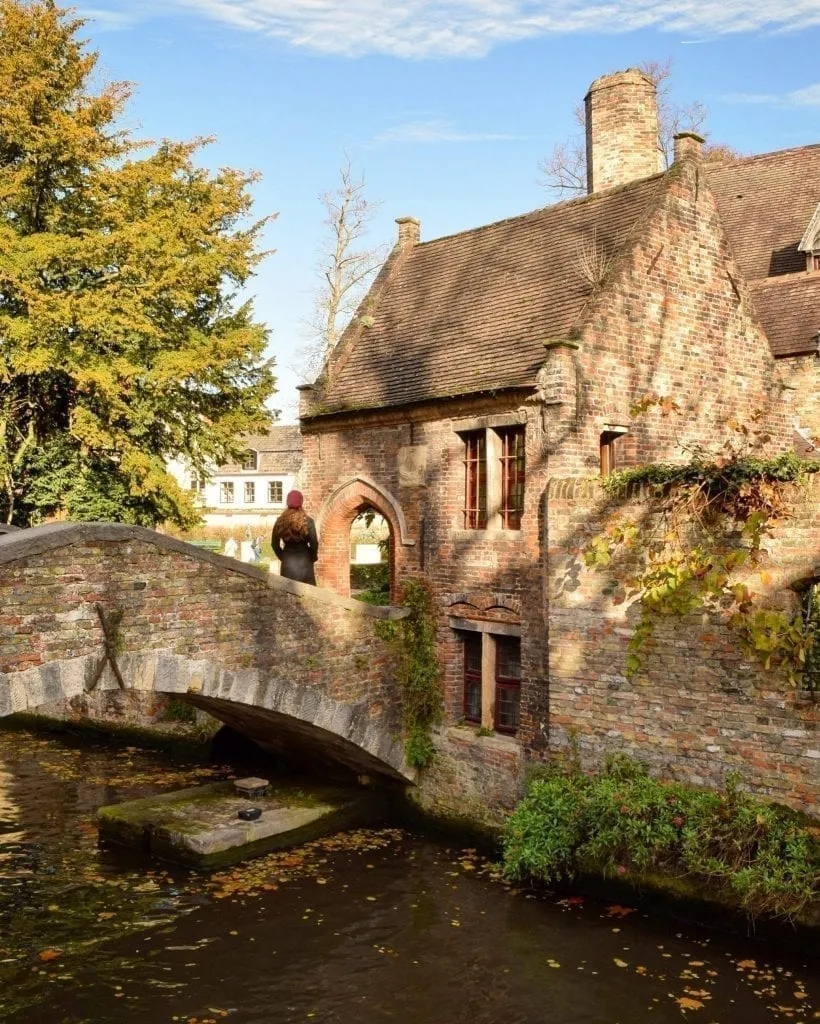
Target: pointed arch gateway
[335,519]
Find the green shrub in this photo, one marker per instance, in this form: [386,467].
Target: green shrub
[762,856]
[370,577]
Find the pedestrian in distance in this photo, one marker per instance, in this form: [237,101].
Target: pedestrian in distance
[294,541]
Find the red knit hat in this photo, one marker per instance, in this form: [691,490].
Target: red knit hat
[294,499]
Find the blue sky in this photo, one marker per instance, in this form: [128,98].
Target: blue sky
[447,106]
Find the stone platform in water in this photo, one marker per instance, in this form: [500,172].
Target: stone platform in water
[201,826]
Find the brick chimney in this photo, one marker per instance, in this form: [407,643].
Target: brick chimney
[622,130]
[409,231]
[688,146]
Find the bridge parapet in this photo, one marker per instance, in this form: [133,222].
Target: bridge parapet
[111,605]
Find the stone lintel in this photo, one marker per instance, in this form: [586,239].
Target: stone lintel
[484,626]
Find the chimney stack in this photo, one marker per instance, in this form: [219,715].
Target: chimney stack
[409,231]
[688,146]
[622,130]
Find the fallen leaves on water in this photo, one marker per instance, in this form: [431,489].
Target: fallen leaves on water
[309,861]
[616,910]
[686,1003]
[47,955]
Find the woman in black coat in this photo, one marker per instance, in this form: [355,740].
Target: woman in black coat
[294,541]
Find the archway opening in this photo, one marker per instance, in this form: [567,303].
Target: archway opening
[371,556]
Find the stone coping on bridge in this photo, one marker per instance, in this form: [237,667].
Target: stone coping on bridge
[22,544]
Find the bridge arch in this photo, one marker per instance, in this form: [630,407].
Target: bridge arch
[107,605]
[335,519]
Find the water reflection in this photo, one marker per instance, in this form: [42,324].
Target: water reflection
[373,926]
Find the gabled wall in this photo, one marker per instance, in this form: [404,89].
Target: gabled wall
[672,318]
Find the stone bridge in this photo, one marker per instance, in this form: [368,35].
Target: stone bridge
[85,606]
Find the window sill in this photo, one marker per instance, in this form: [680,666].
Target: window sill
[505,536]
[467,734]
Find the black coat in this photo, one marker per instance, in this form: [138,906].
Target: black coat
[297,557]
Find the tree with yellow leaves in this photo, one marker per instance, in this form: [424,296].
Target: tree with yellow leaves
[122,342]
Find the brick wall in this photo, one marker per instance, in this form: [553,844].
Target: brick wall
[801,396]
[673,318]
[193,622]
[696,709]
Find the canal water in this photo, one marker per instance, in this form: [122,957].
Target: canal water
[368,927]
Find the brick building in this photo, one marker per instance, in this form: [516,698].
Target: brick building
[489,374]
[249,493]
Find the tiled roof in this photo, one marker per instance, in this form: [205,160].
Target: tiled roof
[471,312]
[279,451]
[766,203]
[789,309]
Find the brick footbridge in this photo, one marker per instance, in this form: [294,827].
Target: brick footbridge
[90,606]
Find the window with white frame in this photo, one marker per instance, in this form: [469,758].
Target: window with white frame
[249,461]
[250,492]
[226,492]
[275,492]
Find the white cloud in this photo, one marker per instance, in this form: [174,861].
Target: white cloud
[470,28]
[808,97]
[106,20]
[435,131]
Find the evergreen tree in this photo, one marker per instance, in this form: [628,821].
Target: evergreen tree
[122,343]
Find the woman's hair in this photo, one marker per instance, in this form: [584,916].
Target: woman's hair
[291,526]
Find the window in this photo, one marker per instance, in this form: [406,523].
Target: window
[249,461]
[472,678]
[507,683]
[250,492]
[475,480]
[512,477]
[197,485]
[609,461]
[494,476]
[275,492]
[226,492]
[815,261]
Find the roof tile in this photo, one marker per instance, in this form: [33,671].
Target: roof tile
[470,312]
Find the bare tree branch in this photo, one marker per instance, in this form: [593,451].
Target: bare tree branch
[345,268]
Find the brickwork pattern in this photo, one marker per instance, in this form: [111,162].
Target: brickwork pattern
[674,317]
[621,130]
[191,624]
[697,709]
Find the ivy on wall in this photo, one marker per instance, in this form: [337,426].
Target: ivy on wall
[413,640]
[705,522]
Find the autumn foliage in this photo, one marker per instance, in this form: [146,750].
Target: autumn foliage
[122,341]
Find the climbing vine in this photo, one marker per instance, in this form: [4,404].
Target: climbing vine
[705,520]
[417,667]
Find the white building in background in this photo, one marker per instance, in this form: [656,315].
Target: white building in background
[250,493]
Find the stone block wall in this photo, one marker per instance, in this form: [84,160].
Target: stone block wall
[696,709]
